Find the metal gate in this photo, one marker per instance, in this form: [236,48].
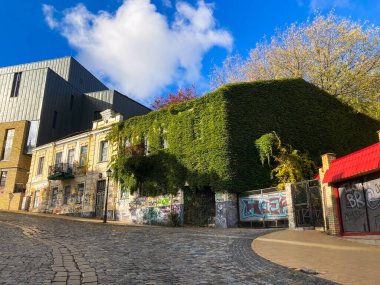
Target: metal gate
[307,204]
[199,206]
[99,202]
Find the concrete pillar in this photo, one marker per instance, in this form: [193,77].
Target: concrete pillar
[290,206]
[226,210]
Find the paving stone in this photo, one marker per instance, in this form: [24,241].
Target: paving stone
[113,254]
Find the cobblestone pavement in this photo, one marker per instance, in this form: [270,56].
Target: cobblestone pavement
[40,250]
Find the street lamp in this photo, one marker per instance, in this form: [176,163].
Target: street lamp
[108,173]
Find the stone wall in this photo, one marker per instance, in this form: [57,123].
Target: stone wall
[150,210]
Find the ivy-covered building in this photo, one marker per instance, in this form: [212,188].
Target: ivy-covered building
[207,144]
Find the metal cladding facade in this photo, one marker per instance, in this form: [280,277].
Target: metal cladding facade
[59,97]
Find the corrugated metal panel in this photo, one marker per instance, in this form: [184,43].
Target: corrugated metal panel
[95,101]
[27,105]
[61,66]
[83,79]
[57,98]
[128,107]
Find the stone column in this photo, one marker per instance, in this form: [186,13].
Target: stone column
[290,206]
[329,198]
[226,210]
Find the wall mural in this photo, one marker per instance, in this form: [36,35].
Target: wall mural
[269,206]
[154,210]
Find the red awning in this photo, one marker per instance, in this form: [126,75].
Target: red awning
[359,162]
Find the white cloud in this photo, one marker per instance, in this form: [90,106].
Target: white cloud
[328,4]
[136,48]
[49,11]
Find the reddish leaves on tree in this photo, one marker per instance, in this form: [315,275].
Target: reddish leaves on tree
[135,150]
[182,95]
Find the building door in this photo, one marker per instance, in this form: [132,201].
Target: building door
[360,204]
[99,202]
[199,206]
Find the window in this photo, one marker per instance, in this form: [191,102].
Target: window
[36,198]
[3,178]
[55,119]
[66,194]
[58,157]
[8,144]
[54,195]
[19,188]
[40,165]
[71,102]
[70,156]
[97,115]
[103,151]
[124,194]
[16,84]
[83,155]
[80,193]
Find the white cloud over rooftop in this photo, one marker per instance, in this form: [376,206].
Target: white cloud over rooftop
[136,48]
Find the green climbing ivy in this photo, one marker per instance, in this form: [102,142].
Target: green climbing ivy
[210,138]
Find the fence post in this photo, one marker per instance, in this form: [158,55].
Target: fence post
[290,205]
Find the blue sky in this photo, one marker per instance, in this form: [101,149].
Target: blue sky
[147,48]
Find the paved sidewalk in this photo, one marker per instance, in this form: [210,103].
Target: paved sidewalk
[334,258]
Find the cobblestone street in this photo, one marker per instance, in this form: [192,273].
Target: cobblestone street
[41,250]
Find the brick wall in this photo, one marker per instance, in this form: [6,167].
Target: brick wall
[17,166]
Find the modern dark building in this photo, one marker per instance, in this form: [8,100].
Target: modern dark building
[59,97]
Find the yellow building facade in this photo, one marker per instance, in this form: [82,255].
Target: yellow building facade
[69,176]
[14,164]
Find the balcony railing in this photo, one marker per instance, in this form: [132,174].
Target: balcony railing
[61,171]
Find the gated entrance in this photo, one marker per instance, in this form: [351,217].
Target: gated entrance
[199,206]
[99,202]
[307,204]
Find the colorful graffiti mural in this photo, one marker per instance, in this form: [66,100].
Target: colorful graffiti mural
[270,206]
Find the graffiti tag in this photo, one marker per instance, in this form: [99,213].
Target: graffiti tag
[271,206]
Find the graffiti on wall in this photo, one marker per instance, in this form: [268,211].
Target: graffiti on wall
[155,215]
[360,204]
[154,210]
[271,206]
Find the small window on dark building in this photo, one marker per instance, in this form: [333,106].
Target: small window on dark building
[16,84]
[55,119]
[97,115]
[71,102]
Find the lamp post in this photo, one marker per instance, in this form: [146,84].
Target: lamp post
[108,173]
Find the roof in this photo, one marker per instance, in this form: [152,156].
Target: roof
[359,162]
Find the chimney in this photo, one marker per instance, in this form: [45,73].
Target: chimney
[326,160]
